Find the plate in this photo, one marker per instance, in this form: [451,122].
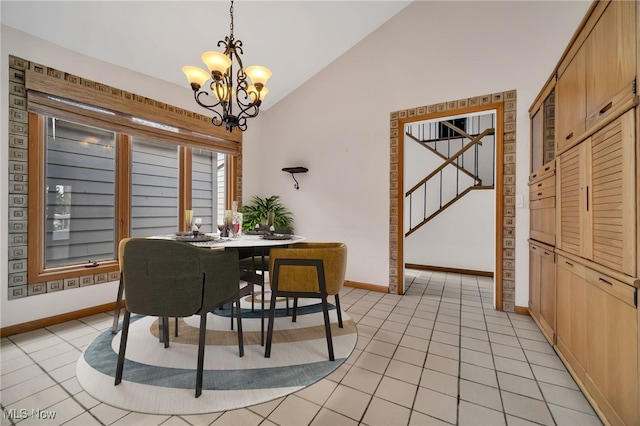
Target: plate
[183,234]
[278,237]
[194,239]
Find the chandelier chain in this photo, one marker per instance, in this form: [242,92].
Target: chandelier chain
[231,25]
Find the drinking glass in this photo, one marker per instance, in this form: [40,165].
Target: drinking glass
[198,223]
[188,218]
[236,225]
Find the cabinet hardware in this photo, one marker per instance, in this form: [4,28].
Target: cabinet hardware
[540,184]
[635,295]
[569,136]
[546,169]
[587,198]
[604,281]
[569,263]
[606,108]
[92,264]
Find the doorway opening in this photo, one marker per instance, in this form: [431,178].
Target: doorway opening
[504,104]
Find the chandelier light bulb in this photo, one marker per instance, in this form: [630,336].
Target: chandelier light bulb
[257,95]
[196,76]
[217,63]
[258,75]
[223,90]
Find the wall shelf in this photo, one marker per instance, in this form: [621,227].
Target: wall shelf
[293,171]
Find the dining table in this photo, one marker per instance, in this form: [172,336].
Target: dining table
[258,242]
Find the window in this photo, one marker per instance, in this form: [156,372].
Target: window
[101,185]
[73,147]
[154,188]
[79,194]
[208,187]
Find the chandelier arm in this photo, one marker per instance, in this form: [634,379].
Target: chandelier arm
[250,111]
[217,119]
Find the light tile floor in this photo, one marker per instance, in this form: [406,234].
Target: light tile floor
[440,354]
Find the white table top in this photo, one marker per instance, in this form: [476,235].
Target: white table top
[243,241]
[253,241]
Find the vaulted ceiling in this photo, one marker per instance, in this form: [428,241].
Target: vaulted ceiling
[295,39]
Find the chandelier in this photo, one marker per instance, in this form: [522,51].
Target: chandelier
[223,98]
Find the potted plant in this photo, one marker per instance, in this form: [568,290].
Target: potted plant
[256,213]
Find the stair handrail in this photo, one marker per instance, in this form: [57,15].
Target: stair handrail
[474,140]
[444,157]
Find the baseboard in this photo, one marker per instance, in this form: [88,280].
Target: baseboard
[445,269]
[57,319]
[366,286]
[522,310]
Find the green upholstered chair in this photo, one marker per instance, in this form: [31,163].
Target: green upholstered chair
[166,278]
[310,270]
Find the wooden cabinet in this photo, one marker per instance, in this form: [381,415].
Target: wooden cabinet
[571,108]
[542,288]
[611,61]
[571,314]
[612,337]
[596,201]
[597,79]
[542,205]
[597,217]
[573,182]
[542,115]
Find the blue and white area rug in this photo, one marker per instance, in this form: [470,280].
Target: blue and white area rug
[162,381]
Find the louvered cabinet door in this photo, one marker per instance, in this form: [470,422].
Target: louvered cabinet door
[574,221]
[613,200]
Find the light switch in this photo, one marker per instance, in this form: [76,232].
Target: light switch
[519,201]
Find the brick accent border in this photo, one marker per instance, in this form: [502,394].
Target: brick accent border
[505,264]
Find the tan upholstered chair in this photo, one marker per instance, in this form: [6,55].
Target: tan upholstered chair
[310,270]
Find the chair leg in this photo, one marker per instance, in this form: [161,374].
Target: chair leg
[123,346]
[294,317]
[116,314]
[240,338]
[272,317]
[176,333]
[231,309]
[327,327]
[201,341]
[339,311]
[165,331]
[253,297]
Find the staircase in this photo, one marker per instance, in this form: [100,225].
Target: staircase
[468,164]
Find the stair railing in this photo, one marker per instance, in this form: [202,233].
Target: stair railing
[453,161]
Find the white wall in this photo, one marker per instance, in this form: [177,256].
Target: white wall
[337,124]
[461,238]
